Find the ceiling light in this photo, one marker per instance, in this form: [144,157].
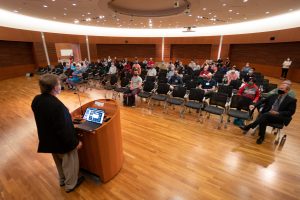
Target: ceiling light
[65,9]
[229,10]
[209,13]
[237,13]
[245,1]
[291,9]
[16,11]
[76,21]
[267,12]
[65,14]
[53,0]
[203,8]
[224,4]
[74,4]
[45,6]
[88,19]
[245,18]
[88,13]
[82,15]
[215,15]
[190,15]
[54,17]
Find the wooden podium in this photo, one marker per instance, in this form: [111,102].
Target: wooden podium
[102,150]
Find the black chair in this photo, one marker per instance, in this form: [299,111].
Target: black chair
[191,84]
[186,78]
[161,94]
[218,77]
[151,78]
[112,83]
[162,79]
[177,98]
[195,101]
[225,89]
[217,106]
[278,128]
[162,73]
[239,108]
[147,89]
[123,87]
[271,87]
[143,74]
[236,84]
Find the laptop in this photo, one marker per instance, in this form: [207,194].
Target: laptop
[94,119]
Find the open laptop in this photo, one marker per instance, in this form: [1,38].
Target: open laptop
[94,119]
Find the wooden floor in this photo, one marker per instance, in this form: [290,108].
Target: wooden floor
[165,157]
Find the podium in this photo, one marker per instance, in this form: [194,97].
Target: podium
[102,151]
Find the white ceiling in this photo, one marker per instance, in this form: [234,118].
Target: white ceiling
[203,12]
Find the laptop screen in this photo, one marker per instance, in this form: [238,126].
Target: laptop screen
[94,115]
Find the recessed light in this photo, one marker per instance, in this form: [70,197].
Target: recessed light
[237,13]
[215,15]
[54,17]
[190,15]
[65,14]
[224,4]
[76,21]
[209,13]
[74,4]
[267,12]
[65,9]
[245,1]
[16,11]
[53,0]
[82,15]
[45,6]
[229,10]
[88,13]
[203,8]
[245,18]
[88,19]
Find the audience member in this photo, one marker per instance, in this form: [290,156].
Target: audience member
[175,79]
[208,85]
[277,108]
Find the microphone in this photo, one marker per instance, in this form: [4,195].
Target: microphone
[79,103]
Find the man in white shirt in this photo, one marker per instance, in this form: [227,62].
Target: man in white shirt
[112,69]
[151,71]
[285,68]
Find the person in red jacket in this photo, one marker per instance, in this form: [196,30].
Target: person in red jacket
[250,90]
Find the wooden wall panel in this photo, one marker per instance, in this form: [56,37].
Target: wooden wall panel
[266,54]
[93,52]
[16,53]
[64,38]
[39,54]
[215,50]
[83,51]
[129,51]
[52,53]
[186,52]
[193,40]
[123,40]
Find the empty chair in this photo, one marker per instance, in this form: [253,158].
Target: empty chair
[123,87]
[143,74]
[218,78]
[162,73]
[239,108]
[177,98]
[162,79]
[226,89]
[217,106]
[191,84]
[151,78]
[112,83]
[195,101]
[147,89]
[161,94]
[236,84]
[271,87]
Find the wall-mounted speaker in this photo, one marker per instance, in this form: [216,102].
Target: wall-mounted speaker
[272,38]
[126,41]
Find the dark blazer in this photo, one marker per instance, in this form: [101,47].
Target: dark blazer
[56,131]
[286,109]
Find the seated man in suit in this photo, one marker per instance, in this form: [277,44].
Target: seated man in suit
[277,108]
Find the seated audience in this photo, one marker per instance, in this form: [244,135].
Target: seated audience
[76,77]
[277,108]
[291,92]
[137,67]
[135,86]
[175,79]
[208,85]
[112,69]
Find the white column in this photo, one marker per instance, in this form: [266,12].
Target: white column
[162,49]
[88,47]
[45,48]
[220,47]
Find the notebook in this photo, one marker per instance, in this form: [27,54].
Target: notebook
[94,119]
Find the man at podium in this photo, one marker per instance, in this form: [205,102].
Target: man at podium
[56,131]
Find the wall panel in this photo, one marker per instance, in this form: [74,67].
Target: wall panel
[186,52]
[129,51]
